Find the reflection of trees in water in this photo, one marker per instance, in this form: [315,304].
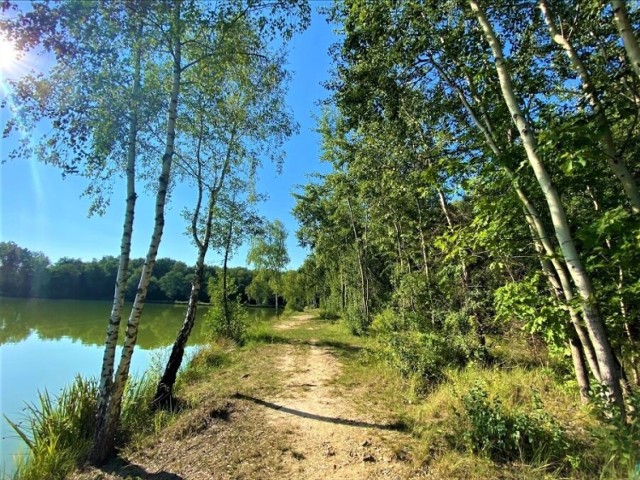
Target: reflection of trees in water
[13,328]
[86,321]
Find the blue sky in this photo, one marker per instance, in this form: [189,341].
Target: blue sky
[42,211]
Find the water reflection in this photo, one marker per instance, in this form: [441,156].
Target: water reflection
[45,343]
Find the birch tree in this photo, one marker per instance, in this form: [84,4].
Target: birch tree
[268,253]
[240,120]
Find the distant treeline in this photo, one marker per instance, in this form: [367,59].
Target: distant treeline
[28,274]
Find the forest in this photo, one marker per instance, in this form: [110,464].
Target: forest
[28,274]
[482,202]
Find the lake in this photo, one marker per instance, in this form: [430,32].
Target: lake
[45,343]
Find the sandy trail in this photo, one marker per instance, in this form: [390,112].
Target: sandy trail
[327,438]
[311,430]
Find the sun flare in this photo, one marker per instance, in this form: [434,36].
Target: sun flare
[8,55]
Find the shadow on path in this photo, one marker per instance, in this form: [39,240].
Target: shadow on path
[127,469]
[398,426]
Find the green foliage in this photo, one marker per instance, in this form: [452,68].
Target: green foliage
[356,319]
[59,431]
[530,436]
[227,317]
[536,312]
[405,343]
[618,439]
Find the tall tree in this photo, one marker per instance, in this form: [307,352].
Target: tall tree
[239,119]
[268,253]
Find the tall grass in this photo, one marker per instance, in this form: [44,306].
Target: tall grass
[58,431]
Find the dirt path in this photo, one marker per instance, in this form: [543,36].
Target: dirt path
[328,438]
[278,414]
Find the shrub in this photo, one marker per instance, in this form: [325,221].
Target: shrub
[407,345]
[506,436]
[226,319]
[618,439]
[356,320]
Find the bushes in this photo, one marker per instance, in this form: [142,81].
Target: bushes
[226,318]
[356,320]
[491,430]
[407,344]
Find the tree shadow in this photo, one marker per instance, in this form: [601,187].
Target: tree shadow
[397,426]
[126,469]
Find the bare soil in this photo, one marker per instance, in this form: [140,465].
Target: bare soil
[310,429]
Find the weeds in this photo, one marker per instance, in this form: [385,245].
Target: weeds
[59,430]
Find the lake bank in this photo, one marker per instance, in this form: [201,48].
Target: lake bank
[46,343]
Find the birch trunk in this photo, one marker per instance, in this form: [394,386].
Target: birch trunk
[595,326]
[108,360]
[616,164]
[539,234]
[225,299]
[104,445]
[361,266]
[621,19]
[164,393]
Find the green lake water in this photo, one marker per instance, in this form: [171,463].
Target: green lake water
[44,344]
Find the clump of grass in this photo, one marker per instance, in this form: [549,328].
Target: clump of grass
[261,332]
[59,431]
[212,356]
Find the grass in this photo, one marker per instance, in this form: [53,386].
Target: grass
[216,427]
[58,431]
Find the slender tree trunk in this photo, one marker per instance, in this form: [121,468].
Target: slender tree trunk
[164,392]
[361,266]
[225,294]
[606,359]
[108,360]
[580,368]
[104,445]
[621,19]
[617,165]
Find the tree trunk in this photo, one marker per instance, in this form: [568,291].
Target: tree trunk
[616,164]
[621,19]
[164,392]
[361,266]
[104,445]
[108,360]
[225,300]
[580,368]
[606,360]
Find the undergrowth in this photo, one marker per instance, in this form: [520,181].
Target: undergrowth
[58,431]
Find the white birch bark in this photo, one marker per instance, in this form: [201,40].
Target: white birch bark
[105,436]
[617,165]
[106,374]
[621,19]
[604,354]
